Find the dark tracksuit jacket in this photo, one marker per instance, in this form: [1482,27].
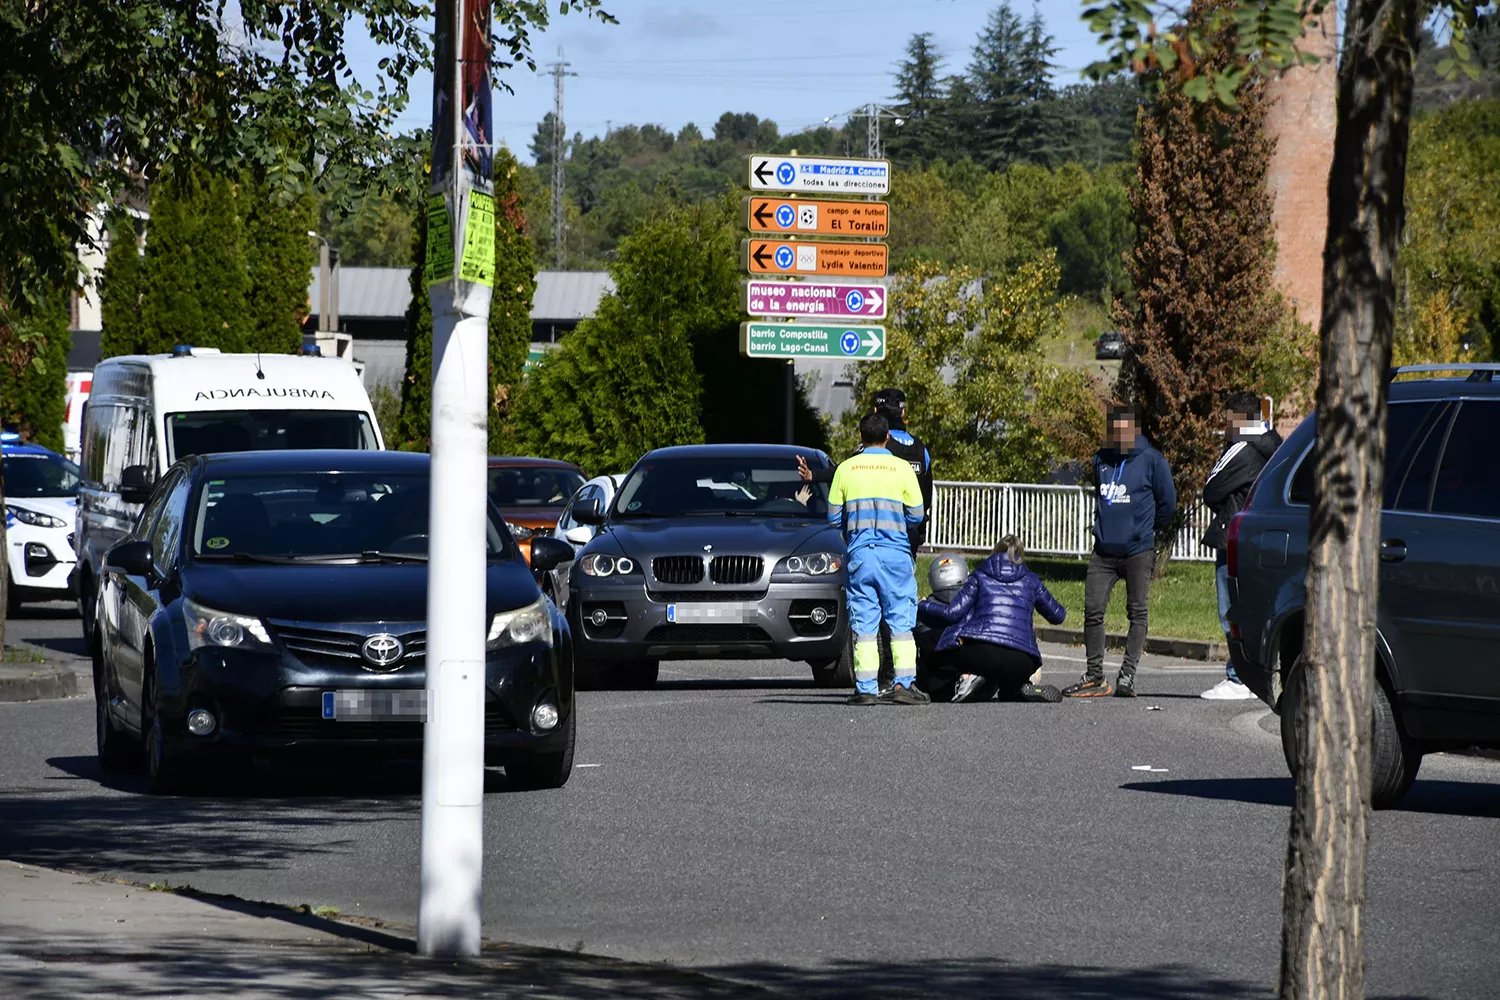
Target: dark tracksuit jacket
[1228,485]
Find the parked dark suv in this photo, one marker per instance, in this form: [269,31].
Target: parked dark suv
[1438,625]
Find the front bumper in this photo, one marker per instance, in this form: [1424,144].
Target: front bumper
[272,701]
[41,561]
[774,623]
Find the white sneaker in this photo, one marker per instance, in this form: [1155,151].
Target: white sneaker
[967,685]
[1228,690]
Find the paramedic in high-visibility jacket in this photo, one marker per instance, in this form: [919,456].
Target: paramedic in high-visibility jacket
[874,499]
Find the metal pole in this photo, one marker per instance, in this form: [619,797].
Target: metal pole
[323,284]
[333,291]
[452,846]
[559,173]
[791,402]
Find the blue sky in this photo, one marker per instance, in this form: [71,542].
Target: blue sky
[793,61]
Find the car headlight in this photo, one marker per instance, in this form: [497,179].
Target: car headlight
[604,564]
[532,623]
[34,518]
[811,564]
[207,627]
[521,532]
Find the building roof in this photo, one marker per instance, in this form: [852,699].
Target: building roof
[385,292]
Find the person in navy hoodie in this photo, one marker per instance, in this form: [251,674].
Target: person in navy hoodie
[1134,502]
[990,643]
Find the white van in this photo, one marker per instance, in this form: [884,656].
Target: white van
[144,412]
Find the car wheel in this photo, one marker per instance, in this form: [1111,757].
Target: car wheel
[534,772]
[836,673]
[1395,757]
[165,770]
[110,745]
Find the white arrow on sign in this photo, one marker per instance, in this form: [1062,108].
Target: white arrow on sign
[872,342]
[873,300]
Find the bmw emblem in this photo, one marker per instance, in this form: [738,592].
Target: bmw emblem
[708,548]
[382,651]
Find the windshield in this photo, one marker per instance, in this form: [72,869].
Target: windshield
[40,476]
[321,515]
[204,431]
[523,486]
[765,487]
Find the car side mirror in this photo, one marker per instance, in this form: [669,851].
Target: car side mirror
[549,553]
[130,558]
[591,512]
[135,484]
[580,535]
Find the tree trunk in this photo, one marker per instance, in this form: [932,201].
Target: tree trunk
[4,562]
[1324,890]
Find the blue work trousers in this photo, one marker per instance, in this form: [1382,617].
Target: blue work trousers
[882,584]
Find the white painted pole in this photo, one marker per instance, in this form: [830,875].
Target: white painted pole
[452,852]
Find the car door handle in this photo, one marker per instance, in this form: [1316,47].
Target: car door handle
[1392,550]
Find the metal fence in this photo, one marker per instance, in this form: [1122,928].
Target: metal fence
[1049,520]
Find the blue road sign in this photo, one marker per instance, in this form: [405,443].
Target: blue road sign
[784,257]
[855,300]
[849,342]
[786,217]
[785,172]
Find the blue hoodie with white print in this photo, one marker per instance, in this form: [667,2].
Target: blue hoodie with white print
[1134,498]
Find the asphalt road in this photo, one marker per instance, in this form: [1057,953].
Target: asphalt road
[741,822]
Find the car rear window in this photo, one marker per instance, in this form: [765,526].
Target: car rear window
[1468,478]
[533,486]
[1403,421]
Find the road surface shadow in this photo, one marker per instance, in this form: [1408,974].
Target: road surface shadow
[54,611]
[732,684]
[73,646]
[1477,799]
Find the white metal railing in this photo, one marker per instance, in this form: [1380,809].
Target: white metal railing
[1049,520]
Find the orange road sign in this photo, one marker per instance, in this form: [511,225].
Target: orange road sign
[864,260]
[806,217]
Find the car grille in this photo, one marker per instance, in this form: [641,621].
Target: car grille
[679,571]
[706,634]
[340,648]
[736,569]
[309,724]
[700,596]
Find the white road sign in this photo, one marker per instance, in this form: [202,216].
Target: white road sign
[819,175]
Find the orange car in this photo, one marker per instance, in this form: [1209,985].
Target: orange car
[531,494]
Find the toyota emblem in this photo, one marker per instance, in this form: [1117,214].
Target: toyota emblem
[382,651]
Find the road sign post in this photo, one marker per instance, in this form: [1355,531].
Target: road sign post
[812,340]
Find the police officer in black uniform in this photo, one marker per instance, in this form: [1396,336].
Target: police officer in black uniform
[891,404]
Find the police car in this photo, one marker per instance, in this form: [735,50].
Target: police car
[41,504]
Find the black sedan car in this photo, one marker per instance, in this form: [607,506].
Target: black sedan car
[710,552]
[276,601]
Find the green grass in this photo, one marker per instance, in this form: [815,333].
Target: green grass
[21,654]
[1183,601]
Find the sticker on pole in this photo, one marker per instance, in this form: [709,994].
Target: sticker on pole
[438,267]
[478,264]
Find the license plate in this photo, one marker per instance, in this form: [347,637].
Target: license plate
[374,706]
[710,614]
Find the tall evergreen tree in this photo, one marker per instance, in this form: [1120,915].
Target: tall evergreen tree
[510,308]
[999,78]
[1202,266]
[920,100]
[33,396]
[170,309]
[414,425]
[279,258]
[221,276]
[120,289]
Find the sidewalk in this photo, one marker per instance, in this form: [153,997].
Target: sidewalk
[65,936]
[35,681]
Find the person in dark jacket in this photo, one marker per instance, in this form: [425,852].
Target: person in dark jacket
[989,635]
[1248,445]
[1134,502]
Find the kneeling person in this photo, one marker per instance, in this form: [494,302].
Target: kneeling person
[990,634]
[874,497]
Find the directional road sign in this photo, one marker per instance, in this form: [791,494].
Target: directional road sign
[819,175]
[812,340]
[815,299]
[806,217]
[850,260]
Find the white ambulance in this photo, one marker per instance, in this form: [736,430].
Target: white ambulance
[145,412]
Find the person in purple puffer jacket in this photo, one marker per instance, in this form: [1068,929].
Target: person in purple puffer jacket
[989,642]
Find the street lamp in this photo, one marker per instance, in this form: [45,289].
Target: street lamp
[871,113]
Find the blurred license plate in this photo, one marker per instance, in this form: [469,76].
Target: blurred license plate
[710,614]
[370,706]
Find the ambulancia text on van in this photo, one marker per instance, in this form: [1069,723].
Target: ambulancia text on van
[145,412]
